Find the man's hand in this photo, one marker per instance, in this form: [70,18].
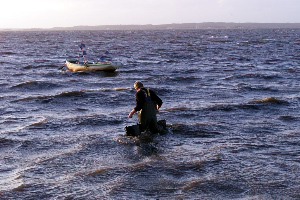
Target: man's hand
[131,113]
[157,107]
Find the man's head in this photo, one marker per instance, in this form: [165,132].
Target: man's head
[138,85]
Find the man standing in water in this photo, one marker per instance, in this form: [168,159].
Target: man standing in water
[147,105]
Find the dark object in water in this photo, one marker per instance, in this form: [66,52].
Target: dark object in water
[137,130]
[133,130]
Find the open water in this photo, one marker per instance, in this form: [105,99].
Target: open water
[231,101]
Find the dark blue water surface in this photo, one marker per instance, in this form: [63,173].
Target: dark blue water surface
[231,101]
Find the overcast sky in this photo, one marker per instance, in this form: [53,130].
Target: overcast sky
[66,13]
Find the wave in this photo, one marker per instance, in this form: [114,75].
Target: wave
[34,85]
[49,97]
[173,173]
[212,185]
[269,100]
[130,167]
[95,120]
[39,122]
[121,89]
[70,94]
[175,109]
[194,130]
[256,88]
[254,75]
[10,180]
[24,84]
[289,118]
[31,98]
[108,89]
[7,53]
[255,104]
[18,123]
[40,66]
[99,171]
[66,94]
[41,61]
[148,61]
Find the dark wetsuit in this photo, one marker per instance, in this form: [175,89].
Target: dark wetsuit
[146,101]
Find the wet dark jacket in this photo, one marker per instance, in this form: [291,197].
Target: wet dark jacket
[140,98]
[146,110]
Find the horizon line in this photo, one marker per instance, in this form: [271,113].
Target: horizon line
[191,25]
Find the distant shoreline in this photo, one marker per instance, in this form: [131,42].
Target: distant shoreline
[182,26]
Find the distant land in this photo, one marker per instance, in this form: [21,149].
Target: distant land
[190,26]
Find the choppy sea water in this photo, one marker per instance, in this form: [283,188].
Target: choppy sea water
[231,101]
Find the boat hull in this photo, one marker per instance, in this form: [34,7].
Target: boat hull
[106,66]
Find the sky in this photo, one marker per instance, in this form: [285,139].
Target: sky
[68,13]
